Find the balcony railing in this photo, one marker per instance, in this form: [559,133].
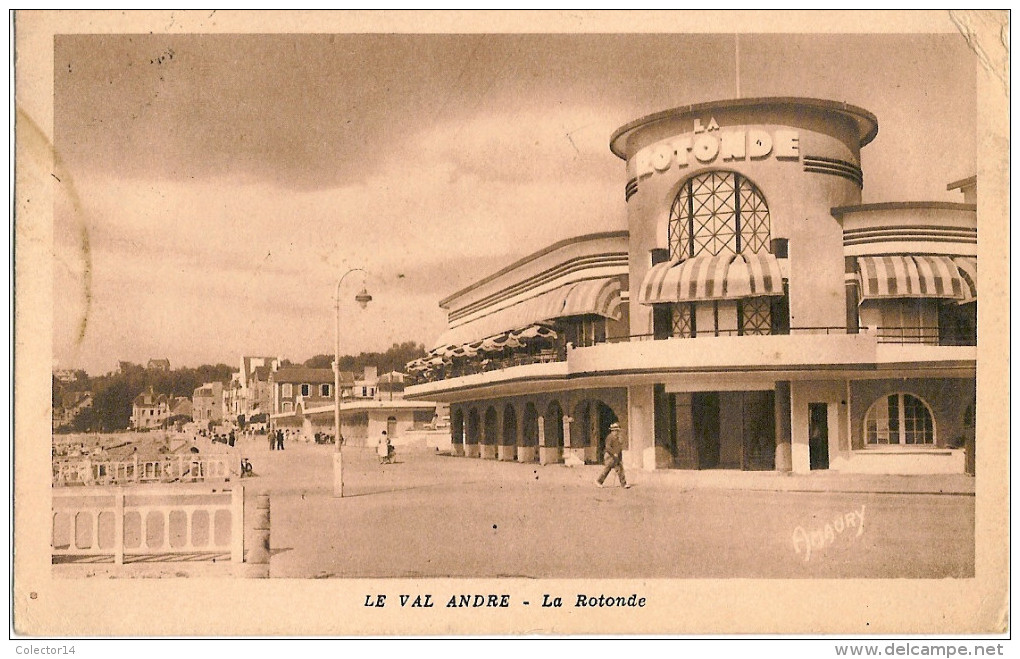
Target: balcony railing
[932,336]
[890,335]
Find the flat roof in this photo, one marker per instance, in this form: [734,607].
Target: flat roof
[867,123]
[839,211]
[962,183]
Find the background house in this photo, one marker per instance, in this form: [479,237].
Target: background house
[207,402]
[149,410]
[296,385]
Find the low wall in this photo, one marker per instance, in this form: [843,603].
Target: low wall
[877,461]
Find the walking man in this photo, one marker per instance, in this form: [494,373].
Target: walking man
[614,456]
[279,439]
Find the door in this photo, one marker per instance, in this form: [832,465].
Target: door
[705,413]
[818,435]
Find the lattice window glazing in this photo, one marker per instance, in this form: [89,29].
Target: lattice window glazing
[683,320]
[718,212]
[756,316]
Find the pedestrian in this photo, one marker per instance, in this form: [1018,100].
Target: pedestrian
[279,439]
[385,449]
[231,438]
[614,457]
[272,439]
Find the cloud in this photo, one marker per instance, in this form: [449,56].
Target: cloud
[217,266]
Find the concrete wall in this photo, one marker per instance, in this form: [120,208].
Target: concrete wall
[639,435]
[799,200]
[946,397]
[802,394]
[916,221]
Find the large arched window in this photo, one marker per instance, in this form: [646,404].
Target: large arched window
[717,212]
[899,419]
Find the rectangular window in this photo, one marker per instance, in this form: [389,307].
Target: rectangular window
[756,316]
[306,390]
[287,390]
[325,390]
[683,320]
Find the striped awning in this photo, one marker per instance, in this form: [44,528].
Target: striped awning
[902,276]
[721,277]
[592,296]
[968,275]
[596,296]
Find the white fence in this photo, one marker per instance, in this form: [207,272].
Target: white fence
[184,467]
[147,521]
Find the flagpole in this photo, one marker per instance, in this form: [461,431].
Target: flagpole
[736,58]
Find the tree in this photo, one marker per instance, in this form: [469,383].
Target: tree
[394,359]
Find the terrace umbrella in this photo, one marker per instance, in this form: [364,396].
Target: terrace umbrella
[464,351]
[505,340]
[535,332]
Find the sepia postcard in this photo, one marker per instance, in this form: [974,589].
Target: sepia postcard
[510,323]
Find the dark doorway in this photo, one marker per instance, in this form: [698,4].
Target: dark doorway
[818,435]
[705,422]
[607,417]
[759,430]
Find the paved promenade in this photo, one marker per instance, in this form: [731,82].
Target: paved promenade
[433,515]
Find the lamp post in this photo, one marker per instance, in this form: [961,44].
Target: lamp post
[362,298]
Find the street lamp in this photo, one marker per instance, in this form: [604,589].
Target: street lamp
[362,298]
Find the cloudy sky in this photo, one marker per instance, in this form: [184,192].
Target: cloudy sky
[214,187]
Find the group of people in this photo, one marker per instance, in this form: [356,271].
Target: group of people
[276,439]
[225,438]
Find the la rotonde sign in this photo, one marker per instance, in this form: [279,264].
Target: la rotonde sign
[707,143]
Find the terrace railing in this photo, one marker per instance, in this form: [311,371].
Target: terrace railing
[178,468]
[146,521]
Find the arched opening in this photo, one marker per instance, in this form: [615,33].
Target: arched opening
[592,419]
[473,427]
[489,434]
[457,426]
[509,426]
[554,425]
[529,426]
[899,419]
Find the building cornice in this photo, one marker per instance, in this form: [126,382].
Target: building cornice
[444,303]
